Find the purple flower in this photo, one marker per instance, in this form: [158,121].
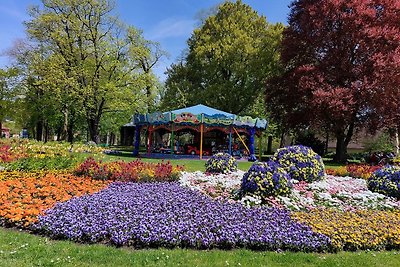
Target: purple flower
[167,215]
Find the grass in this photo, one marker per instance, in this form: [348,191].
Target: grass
[23,249]
[192,165]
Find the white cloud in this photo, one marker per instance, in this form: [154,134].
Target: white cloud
[172,27]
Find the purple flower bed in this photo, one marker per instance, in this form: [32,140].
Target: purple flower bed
[167,215]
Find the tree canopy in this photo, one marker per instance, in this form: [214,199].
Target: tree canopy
[228,60]
[85,67]
[341,61]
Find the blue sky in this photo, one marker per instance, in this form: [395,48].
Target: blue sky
[169,22]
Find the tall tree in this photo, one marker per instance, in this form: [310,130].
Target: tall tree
[337,56]
[228,59]
[8,92]
[93,50]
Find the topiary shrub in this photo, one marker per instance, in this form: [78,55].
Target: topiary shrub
[386,181]
[221,163]
[266,179]
[300,162]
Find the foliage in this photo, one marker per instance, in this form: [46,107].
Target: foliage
[167,215]
[221,163]
[265,180]
[44,163]
[300,162]
[229,57]
[308,138]
[386,181]
[134,171]
[355,230]
[334,93]
[22,200]
[380,143]
[84,66]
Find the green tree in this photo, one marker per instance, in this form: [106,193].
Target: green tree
[92,58]
[8,92]
[228,60]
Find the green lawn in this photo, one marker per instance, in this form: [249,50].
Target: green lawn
[194,164]
[23,249]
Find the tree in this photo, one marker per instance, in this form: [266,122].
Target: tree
[228,59]
[92,57]
[8,92]
[336,56]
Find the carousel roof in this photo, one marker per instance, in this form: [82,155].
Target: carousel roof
[202,109]
[196,115]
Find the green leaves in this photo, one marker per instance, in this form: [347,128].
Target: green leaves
[229,58]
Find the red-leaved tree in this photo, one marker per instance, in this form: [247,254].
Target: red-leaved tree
[341,62]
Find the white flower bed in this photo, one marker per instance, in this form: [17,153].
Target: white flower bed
[345,193]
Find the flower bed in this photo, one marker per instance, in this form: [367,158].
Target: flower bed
[15,149]
[167,215]
[362,229]
[344,193]
[22,200]
[134,171]
[354,170]
[218,186]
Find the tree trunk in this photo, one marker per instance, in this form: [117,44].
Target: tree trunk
[70,134]
[341,149]
[269,149]
[397,141]
[342,141]
[93,125]
[282,141]
[39,130]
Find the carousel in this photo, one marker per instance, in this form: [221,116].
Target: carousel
[197,130]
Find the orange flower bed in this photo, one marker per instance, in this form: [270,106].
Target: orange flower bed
[22,200]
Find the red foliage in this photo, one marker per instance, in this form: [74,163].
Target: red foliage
[342,59]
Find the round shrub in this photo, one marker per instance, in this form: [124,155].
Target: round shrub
[386,181]
[265,180]
[221,163]
[300,162]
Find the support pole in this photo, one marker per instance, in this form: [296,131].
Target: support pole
[259,146]
[201,140]
[150,136]
[137,141]
[252,156]
[172,138]
[230,141]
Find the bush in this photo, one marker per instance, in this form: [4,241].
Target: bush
[386,181]
[300,162]
[309,139]
[221,163]
[45,163]
[265,180]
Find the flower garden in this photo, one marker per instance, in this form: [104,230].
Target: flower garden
[289,203]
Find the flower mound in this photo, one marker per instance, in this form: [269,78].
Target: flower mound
[265,180]
[22,200]
[221,163]
[301,162]
[168,215]
[386,181]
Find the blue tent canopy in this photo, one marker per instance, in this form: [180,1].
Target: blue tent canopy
[202,109]
[199,114]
